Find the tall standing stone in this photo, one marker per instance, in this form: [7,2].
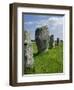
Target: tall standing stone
[42,38]
[51,41]
[58,41]
[28,53]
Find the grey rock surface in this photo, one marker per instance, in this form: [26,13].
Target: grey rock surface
[42,38]
[51,41]
[28,52]
[58,41]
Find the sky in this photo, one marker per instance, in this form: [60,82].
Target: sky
[55,24]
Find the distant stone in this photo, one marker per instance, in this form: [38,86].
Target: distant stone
[28,52]
[51,41]
[58,41]
[61,41]
[42,38]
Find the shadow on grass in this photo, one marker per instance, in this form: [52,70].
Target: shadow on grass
[29,70]
[35,54]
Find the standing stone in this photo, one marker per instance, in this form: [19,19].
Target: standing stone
[42,38]
[28,53]
[51,41]
[61,41]
[58,41]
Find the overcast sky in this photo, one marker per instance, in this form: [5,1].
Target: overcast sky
[54,22]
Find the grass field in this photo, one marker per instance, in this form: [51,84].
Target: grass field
[48,62]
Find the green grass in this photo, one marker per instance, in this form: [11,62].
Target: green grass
[48,62]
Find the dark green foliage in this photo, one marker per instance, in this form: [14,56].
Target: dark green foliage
[28,70]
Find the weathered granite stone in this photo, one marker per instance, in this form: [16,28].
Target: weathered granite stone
[42,38]
[28,52]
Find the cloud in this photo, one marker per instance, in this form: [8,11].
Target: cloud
[54,23]
[55,20]
[28,23]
